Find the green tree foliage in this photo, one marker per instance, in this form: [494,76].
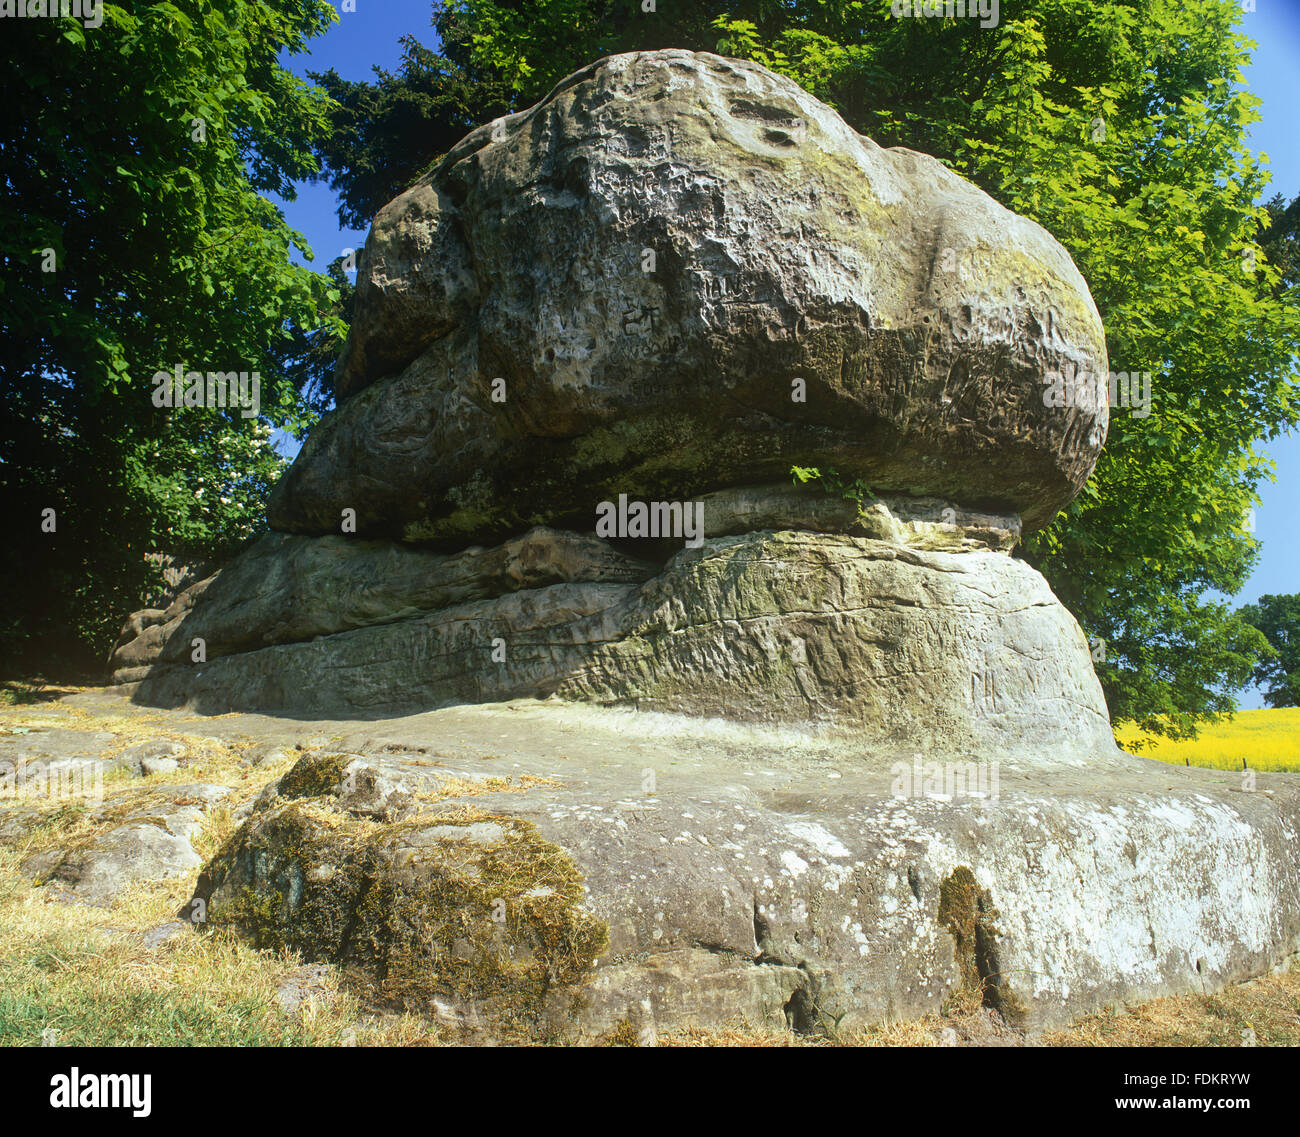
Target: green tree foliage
[492,59]
[1118,125]
[133,160]
[1278,618]
[306,354]
[384,135]
[1280,240]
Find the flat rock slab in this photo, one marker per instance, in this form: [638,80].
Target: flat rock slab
[779,877]
[543,869]
[143,838]
[49,752]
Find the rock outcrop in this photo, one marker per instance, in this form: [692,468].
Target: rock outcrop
[950,651]
[675,280]
[141,841]
[545,871]
[674,874]
[590,349]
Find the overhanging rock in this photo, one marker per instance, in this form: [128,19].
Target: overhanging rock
[517,356]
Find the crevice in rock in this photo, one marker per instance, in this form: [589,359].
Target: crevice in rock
[967,911]
[801,1013]
[717,949]
[762,931]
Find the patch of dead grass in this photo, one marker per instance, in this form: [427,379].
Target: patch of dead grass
[453,786]
[1262,1012]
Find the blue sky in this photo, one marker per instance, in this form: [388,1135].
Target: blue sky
[369,38]
[1274,75]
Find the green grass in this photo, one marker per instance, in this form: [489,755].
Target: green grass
[93,989]
[138,1018]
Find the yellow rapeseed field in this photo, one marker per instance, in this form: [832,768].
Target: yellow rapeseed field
[1267,740]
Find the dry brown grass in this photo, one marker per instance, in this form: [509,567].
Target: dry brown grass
[453,786]
[1269,1007]
[962,1021]
[1261,1012]
[86,974]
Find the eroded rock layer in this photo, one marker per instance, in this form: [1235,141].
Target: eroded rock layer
[903,645]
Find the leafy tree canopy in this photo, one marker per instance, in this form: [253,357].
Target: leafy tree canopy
[1278,618]
[136,238]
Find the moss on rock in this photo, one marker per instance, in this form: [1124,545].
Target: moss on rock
[314,775]
[462,905]
[967,911]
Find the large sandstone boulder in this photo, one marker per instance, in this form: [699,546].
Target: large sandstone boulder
[516,357]
[674,279]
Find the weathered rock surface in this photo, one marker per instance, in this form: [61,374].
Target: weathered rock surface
[302,987]
[144,839]
[693,875]
[146,758]
[287,589]
[51,754]
[813,299]
[155,937]
[293,589]
[922,316]
[537,870]
[902,646]
[144,632]
[86,805]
